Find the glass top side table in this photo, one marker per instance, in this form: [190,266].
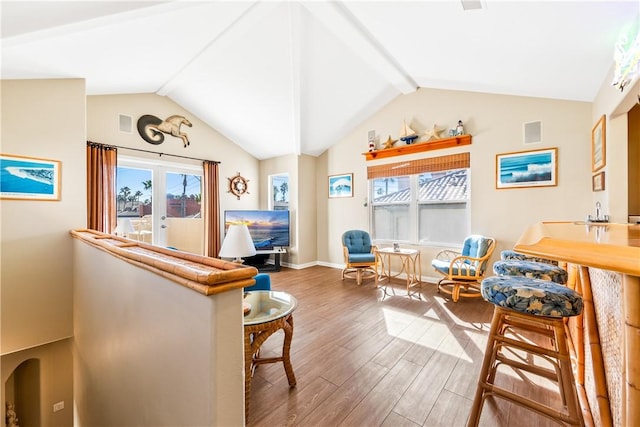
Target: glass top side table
[268,305]
[266,312]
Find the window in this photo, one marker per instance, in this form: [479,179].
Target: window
[279,190]
[443,207]
[428,205]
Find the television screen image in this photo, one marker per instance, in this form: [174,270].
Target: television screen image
[268,229]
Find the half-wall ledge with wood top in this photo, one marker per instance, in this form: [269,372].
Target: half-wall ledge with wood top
[206,275]
[156,328]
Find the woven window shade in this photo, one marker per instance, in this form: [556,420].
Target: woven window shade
[413,167]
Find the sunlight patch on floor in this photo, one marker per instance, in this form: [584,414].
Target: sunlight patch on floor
[425,331]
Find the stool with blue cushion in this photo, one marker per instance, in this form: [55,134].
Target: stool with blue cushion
[509,254]
[531,269]
[529,305]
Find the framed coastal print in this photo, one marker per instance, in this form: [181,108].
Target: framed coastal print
[536,168]
[341,185]
[599,145]
[597,182]
[29,178]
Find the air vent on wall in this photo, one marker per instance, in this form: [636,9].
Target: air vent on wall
[533,132]
[125,123]
[472,4]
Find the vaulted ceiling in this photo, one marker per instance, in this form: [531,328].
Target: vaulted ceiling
[283,77]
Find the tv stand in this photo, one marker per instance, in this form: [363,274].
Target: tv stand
[262,255]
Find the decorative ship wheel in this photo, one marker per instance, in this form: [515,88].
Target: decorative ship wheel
[238,185]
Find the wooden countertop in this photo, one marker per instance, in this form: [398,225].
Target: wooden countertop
[205,275]
[614,247]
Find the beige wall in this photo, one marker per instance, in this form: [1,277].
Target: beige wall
[151,352]
[302,205]
[496,125]
[56,383]
[44,119]
[279,165]
[615,106]
[307,217]
[633,161]
[205,142]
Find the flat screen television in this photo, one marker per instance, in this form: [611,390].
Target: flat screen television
[268,229]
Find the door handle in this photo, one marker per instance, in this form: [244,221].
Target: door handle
[163,226]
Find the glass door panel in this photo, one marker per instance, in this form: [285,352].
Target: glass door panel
[160,204]
[182,225]
[134,205]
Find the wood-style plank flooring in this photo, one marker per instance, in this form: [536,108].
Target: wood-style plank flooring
[365,359]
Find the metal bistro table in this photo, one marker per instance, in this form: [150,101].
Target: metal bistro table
[266,312]
[411,266]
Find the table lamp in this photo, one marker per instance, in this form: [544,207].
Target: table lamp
[124,228]
[237,243]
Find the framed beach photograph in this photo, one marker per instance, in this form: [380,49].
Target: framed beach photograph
[29,178]
[536,168]
[341,185]
[597,182]
[599,145]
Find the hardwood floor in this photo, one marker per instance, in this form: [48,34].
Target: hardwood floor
[364,360]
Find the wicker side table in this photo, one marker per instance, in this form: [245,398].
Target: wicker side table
[411,265]
[269,312]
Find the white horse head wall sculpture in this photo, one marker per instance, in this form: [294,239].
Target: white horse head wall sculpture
[151,128]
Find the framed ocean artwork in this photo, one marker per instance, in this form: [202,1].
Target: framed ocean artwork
[341,185]
[29,178]
[536,168]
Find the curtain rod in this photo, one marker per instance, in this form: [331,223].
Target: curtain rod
[152,152]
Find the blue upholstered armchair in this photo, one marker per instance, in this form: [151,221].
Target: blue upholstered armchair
[359,256]
[463,271]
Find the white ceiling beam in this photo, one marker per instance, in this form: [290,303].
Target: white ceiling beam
[295,47]
[346,26]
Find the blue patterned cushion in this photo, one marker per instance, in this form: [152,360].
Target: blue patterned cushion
[534,270]
[507,255]
[443,267]
[531,296]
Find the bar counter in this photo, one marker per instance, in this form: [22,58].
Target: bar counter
[606,257]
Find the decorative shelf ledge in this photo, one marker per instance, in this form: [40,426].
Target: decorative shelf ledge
[419,147]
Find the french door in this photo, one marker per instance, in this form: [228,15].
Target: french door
[160,203]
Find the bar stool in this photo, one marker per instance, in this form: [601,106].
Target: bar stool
[525,304]
[509,254]
[531,269]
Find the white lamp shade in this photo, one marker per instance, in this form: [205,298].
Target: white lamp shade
[128,226]
[237,243]
[124,227]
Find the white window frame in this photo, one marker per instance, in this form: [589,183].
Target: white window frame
[414,206]
[271,202]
